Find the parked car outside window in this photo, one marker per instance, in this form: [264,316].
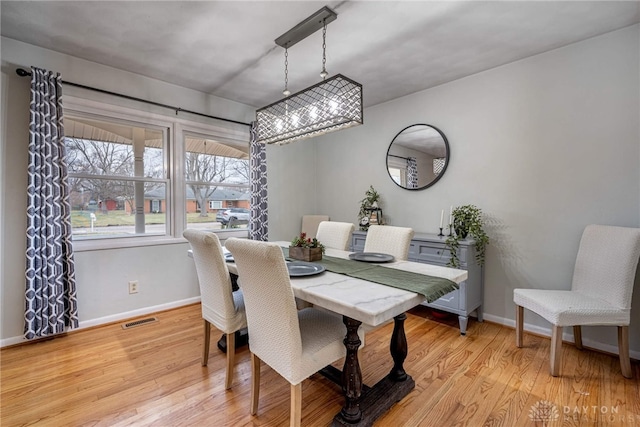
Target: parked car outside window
[223,216]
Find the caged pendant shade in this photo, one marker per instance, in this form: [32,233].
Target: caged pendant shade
[333,104]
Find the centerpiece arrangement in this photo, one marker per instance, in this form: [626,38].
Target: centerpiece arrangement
[305,248]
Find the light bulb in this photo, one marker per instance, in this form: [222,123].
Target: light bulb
[286,92]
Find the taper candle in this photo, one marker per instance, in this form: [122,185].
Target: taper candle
[441,217]
[451,215]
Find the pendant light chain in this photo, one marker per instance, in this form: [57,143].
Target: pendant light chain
[286,91]
[324,72]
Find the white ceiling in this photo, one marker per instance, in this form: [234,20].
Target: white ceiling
[227,49]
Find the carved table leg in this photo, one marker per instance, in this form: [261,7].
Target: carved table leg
[351,374]
[398,348]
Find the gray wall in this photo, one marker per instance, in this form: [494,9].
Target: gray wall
[544,146]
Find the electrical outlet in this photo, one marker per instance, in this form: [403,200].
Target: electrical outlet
[133,287]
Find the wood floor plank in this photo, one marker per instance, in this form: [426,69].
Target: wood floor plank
[151,375]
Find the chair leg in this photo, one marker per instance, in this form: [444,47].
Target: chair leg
[519,324]
[556,350]
[231,352]
[207,341]
[296,405]
[623,349]
[255,383]
[577,336]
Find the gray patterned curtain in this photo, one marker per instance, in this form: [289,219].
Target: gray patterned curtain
[51,303]
[412,172]
[259,224]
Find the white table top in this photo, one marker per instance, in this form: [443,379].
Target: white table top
[370,303]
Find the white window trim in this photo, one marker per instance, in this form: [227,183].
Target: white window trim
[230,133]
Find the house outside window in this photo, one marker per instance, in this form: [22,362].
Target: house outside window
[215,204]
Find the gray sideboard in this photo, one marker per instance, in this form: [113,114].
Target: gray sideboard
[431,249]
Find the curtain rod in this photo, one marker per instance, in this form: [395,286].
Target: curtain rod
[400,157]
[23,73]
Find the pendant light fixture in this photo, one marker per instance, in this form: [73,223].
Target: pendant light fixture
[333,104]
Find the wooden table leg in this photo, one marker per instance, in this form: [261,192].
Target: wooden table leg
[398,348]
[351,374]
[364,405]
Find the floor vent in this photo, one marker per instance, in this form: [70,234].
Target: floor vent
[139,322]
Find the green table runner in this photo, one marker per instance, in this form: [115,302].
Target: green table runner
[431,287]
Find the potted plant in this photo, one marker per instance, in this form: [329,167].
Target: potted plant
[306,249]
[467,221]
[367,205]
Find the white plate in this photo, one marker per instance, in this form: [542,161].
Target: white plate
[302,268]
[371,257]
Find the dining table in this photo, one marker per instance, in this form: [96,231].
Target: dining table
[365,302]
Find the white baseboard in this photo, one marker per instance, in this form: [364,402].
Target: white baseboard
[566,336]
[112,318]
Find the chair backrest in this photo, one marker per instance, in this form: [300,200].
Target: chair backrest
[606,263]
[272,317]
[213,276]
[390,240]
[334,234]
[310,224]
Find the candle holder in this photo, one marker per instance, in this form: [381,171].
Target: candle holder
[441,235]
[450,230]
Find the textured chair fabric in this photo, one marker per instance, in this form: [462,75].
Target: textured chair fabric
[296,344]
[600,292]
[390,240]
[220,305]
[310,224]
[335,235]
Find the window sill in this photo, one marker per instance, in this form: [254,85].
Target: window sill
[134,242]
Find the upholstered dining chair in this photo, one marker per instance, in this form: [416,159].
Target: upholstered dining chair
[600,293]
[294,343]
[310,224]
[388,239]
[220,305]
[334,234]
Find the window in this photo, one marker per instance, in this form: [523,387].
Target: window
[140,178]
[216,177]
[117,177]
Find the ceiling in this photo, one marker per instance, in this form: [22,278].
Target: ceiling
[227,49]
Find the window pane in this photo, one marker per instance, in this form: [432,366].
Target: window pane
[104,158]
[104,148]
[100,213]
[217,183]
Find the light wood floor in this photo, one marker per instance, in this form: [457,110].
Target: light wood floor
[151,375]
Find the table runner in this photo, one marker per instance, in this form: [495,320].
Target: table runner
[430,287]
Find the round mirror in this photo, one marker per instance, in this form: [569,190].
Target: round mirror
[417,157]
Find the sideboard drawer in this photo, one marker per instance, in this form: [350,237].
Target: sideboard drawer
[434,253]
[450,300]
[430,254]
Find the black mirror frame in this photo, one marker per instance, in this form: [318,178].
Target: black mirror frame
[446,163]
